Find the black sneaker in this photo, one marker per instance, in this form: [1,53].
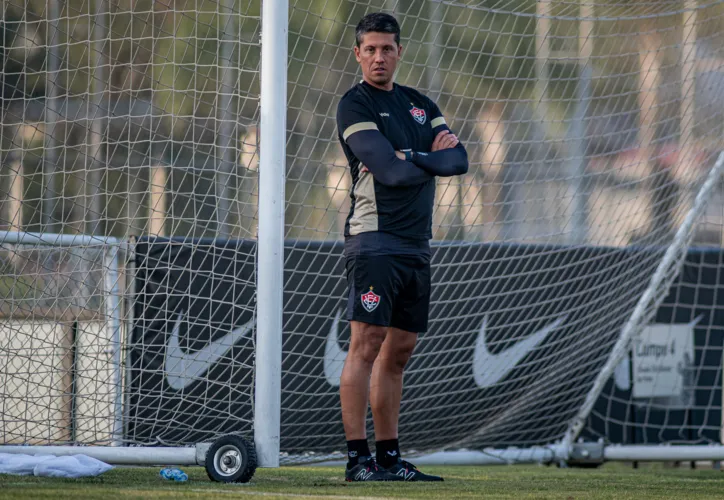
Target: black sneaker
[408,472]
[369,471]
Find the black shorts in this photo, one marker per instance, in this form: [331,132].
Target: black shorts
[389,290]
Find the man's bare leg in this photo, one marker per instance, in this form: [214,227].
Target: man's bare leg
[354,383]
[386,383]
[354,389]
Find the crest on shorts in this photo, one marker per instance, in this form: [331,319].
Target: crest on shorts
[370,300]
[418,114]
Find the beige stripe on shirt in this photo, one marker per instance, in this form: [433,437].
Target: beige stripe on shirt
[358,127]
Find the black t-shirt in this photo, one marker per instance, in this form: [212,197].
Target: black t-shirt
[409,120]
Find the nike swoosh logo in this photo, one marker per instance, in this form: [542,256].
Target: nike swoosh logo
[334,356]
[183,369]
[489,369]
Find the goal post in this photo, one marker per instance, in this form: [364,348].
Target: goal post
[577,303]
[272,177]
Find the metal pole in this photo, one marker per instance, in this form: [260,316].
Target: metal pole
[578,166]
[157,208]
[270,251]
[50,155]
[142,455]
[435,55]
[112,294]
[687,140]
[542,54]
[15,195]
[129,292]
[227,125]
[456,231]
[688,76]
[657,181]
[54,239]
[97,87]
[511,225]
[663,453]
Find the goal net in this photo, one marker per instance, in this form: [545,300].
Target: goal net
[576,266]
[59,343]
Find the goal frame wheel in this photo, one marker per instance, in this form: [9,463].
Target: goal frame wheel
[231,459]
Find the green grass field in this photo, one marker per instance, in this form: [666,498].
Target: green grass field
[614,481]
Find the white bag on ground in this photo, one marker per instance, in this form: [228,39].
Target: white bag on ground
[71,466]
[20,465]
[52,466]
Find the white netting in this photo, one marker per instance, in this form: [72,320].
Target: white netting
[668,387]
[590,127]
[56,349]
[131,120]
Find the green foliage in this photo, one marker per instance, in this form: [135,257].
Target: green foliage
[177,57]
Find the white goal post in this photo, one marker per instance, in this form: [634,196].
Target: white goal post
[270,282]
[173,199]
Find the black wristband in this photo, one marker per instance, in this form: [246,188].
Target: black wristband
[408,154]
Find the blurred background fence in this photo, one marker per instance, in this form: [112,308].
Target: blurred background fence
[135,117]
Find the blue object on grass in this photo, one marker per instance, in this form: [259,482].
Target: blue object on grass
[174,474]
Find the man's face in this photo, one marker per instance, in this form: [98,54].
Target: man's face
[378,55]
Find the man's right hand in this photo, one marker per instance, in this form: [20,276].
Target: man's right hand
[444,140]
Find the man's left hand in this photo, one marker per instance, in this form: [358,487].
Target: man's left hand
[444,140]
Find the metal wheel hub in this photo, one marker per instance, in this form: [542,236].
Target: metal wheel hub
[228,460]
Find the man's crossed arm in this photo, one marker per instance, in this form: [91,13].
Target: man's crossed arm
[378,156]
[447,157]
[395,168]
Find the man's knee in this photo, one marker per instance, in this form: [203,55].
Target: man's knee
[402,356]
[398,348]
[366,341]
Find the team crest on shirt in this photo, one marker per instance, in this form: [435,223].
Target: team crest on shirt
[418,114]
[370,300]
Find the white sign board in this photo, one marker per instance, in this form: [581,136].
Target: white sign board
[661,355]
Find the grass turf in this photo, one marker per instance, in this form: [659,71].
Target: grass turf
[613,481]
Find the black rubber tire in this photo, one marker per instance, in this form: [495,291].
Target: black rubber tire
[236,448]
[586,466]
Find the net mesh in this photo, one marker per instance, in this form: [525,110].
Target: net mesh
[589,125]
[56,346]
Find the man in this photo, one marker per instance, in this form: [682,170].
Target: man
[396,141]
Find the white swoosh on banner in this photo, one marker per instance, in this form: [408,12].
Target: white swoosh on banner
[334,356]
[182,368]
[489,369]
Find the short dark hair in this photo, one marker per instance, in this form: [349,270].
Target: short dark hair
[377,22]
